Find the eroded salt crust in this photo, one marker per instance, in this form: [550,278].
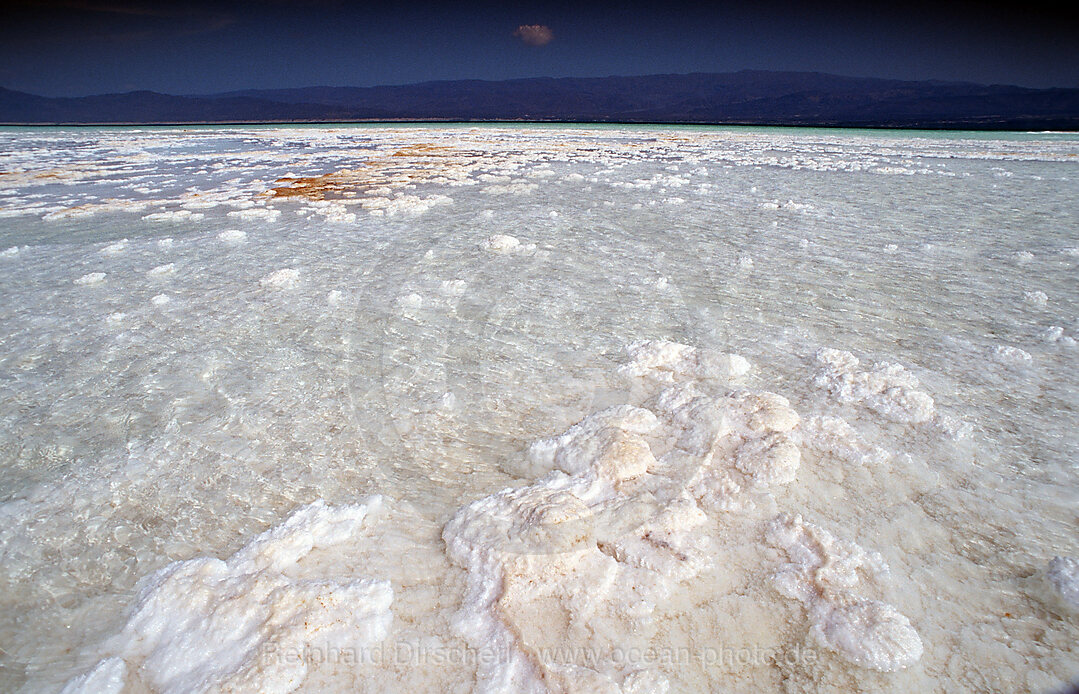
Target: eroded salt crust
[212,625]
[889,389]
[625,504]
[823,574]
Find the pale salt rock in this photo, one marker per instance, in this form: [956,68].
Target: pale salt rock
[868,633]
[256,214]
[91,279]
[115,248]
[834,435]
[1063,574]
[769,460]
[1035,298]
[162,270]
[453,287]
[160,300]
[610,440]
[1053,333]
[821,573]
[887,388]
[1006,354]
[669,362]
[285,278]
[502,243]
[232,236]
[174,216]
[207,624]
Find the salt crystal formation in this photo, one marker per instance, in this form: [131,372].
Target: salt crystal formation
[1063,573]
[206,330]
[621,509]
[823,574]
[887,388]
[207,624]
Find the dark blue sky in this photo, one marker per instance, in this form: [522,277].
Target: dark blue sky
[78,47]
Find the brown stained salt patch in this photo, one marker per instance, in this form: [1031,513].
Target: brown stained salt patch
[421,162]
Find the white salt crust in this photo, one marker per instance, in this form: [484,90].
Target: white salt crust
[207,624]
[620,505]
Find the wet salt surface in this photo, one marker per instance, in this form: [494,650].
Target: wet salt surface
[632,400]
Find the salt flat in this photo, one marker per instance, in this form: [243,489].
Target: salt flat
[565,408]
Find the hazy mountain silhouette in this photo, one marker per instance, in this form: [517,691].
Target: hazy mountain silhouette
[750,97]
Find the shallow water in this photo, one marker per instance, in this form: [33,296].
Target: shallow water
[189,357]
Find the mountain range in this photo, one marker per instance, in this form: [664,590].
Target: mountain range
[747,97]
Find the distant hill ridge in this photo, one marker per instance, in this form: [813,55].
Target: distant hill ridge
[747,97]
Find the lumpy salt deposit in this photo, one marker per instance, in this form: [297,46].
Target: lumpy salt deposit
[537,409]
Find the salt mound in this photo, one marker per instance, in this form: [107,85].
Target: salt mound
[620,507]
[286,278]
[232,236]
[886,388]
[453,287]
[515,188]
[91,279]
[256,214]
[821,573]
[1063,573]
[502,243]
[1006,354]
[208,624]
[670,362]
[115,248]
[173,216]
[835,436]
[1036,298]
